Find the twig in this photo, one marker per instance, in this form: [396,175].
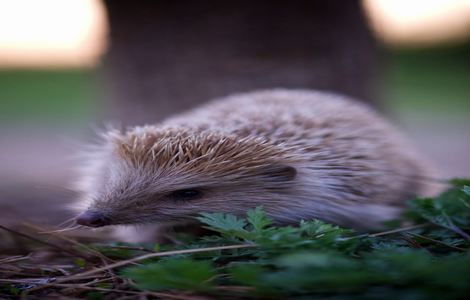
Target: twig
[398,230]
[152,255]
[455,228]
[157,294]
[13,259]
[234,288]
[103,258]
[91,273]
[410,241]
[35,280]
[9,272]
[73,253]
[132,248]
[435,241]
[25,280]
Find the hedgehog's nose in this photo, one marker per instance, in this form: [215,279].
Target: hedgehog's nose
[92,218]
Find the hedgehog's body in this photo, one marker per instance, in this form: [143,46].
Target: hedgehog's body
[299,154]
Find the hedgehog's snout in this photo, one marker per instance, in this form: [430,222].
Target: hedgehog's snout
[92,218]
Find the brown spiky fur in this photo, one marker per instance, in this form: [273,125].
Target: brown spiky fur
[300,154]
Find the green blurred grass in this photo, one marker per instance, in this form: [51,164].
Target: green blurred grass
[48,95]
[415,83]
[428,82]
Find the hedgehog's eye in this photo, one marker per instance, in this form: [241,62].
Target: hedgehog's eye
[187,194]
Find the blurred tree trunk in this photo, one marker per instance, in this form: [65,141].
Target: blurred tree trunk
[167,56]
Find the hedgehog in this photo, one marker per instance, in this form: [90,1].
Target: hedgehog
[298,154]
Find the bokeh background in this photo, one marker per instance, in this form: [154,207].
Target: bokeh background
[54,90]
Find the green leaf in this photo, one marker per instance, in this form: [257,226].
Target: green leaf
[258,219]
[182,274]
[315,260]
[248,274]
[466,190]
[459,182]
[80,262]
[450,209]
[104,285]
[225,223]
[94,296]
[14,290]
[110,250]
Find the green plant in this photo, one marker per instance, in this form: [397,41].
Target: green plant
[426,261]
[247,258]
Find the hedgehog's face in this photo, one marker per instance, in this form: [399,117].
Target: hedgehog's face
[134,188]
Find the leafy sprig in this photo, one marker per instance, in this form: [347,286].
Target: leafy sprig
[252,257]
[428,261]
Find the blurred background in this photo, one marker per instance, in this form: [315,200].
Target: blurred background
[67,67]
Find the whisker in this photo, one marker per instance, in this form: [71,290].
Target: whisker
[56,188]
[64,223]
[61,230]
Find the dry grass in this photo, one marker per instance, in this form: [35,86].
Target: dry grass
[36,263]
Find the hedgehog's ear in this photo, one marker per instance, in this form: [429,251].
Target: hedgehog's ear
[278,173]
